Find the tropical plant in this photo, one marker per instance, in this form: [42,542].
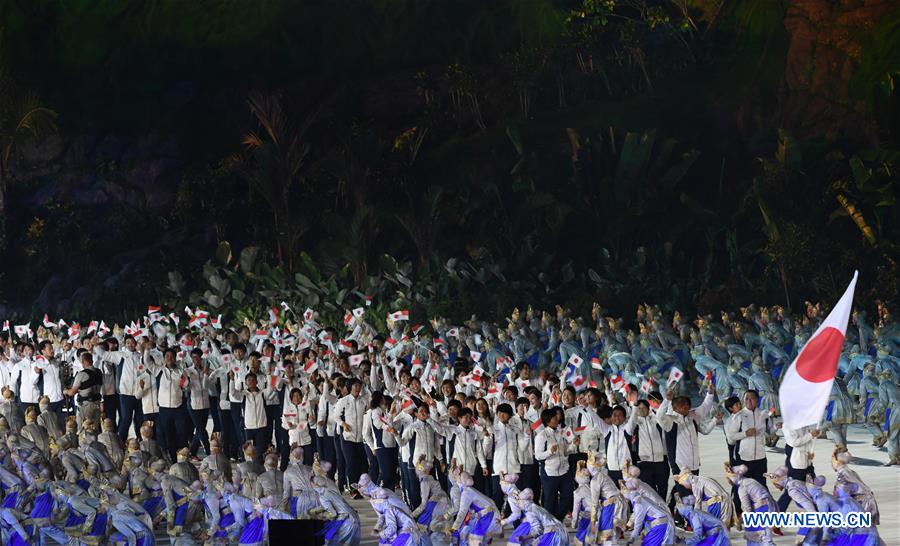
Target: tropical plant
[23,119]
[275,163]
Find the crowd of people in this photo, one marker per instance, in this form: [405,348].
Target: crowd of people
[547,426]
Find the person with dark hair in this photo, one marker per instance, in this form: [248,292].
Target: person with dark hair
[86,389]
[649,448]
[551,447]
[528,467]
[295,419]
[748,428]
[171,381]
[681,425]
[420,442]
[350,413]
[502,440]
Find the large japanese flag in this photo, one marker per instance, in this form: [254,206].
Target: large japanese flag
[807,383]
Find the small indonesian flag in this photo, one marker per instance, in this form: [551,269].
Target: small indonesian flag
[408,403]
[368,300]
[416,329]
[476,356]
[359,312]
[348,318]
[273,315]
[6,326]
[438,342]
[217,322]
[175,319]
[494,392]
[47,322]
[22,330]
[596,363]
[356,360]
[675,375]
[153,310]
[806,386]
[285,306]
[346,346]
[579,430]
[310,366]
[390,343]
[616,382]
[399,315]
[575,360]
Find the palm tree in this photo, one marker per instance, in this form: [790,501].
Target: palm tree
[276,160]
[22,119]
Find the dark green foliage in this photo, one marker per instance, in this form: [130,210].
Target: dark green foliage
[510,152]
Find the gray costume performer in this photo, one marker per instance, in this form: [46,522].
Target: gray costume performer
[183,469]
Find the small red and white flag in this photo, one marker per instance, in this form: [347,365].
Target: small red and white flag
[346,346]
[103,328]
[616,382]
[74,330]
[476,356]
[6,326]
[359,312]
[575,360]
[407,404]
[399,315]
[494,392]
[368,300]
[175,319]
[647,386]
[273,315]
[596,363]
[675,375]
[569,434]
[807,383]
[579,430]
[153,310]
[356,360]
[310,366]
[477,371]
[47,322]
[308,314]
[438,342]
[453,332]
[61,324]
[217,322]
[22,330]
[536,425]
[416,329]
[348,318]
[578,381]
[285,307]
[92,327]
[390,343]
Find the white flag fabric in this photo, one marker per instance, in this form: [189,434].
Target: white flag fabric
[807,383]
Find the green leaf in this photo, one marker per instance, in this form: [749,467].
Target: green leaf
[223,253]
[249,258]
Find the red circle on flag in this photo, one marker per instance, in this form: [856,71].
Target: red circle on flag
[818,360]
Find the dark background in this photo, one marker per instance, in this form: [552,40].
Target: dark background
[454,156]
